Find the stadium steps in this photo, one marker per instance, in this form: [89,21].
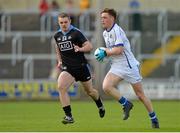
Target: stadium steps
[149,43]
[164,71]
[8,71]
[25,22]
[148,66]
[33,45]
[148,22]
[42,69]
[173,21]
[30,45]
[6,47]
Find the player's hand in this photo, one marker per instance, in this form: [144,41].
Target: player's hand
[101,55]
[59,65]
[77,48]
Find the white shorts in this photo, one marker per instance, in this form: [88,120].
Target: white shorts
[131,75]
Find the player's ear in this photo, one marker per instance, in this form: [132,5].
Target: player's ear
[69,20]
[112,19]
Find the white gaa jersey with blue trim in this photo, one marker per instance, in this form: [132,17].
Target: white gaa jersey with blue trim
[117,37]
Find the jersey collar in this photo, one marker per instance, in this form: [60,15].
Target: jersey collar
[65,33]
[110,28]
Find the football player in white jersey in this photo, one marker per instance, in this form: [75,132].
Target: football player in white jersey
[124,66]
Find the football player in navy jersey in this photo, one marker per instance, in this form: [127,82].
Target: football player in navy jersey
[71,45]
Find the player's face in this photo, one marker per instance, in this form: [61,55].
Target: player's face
[107,20]
[64,23]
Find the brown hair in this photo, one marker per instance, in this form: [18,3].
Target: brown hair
[64,15]
[111,12]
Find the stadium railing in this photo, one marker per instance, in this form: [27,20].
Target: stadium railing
[166,56]
[164,40]
[17,53]
[85,23]
[177,69]
[162,21]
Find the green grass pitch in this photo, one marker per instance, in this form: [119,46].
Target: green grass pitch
[46,116]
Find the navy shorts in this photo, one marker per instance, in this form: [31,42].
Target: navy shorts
[80,74]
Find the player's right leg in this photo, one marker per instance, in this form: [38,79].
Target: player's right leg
[65,80]
[93,93]
[109,86]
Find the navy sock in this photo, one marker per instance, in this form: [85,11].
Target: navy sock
[67,110]
[99,103]
[123,101]
[153,117]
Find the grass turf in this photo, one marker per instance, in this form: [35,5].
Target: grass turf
[46,116]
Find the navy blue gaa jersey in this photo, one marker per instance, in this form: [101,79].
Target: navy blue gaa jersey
[65,42]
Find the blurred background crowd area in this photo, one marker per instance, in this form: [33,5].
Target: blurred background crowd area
[27,54]
[172,5]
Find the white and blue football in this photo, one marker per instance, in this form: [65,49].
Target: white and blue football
[96,52]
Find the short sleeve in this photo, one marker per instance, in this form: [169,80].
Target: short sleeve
[81,37]
[118,38]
